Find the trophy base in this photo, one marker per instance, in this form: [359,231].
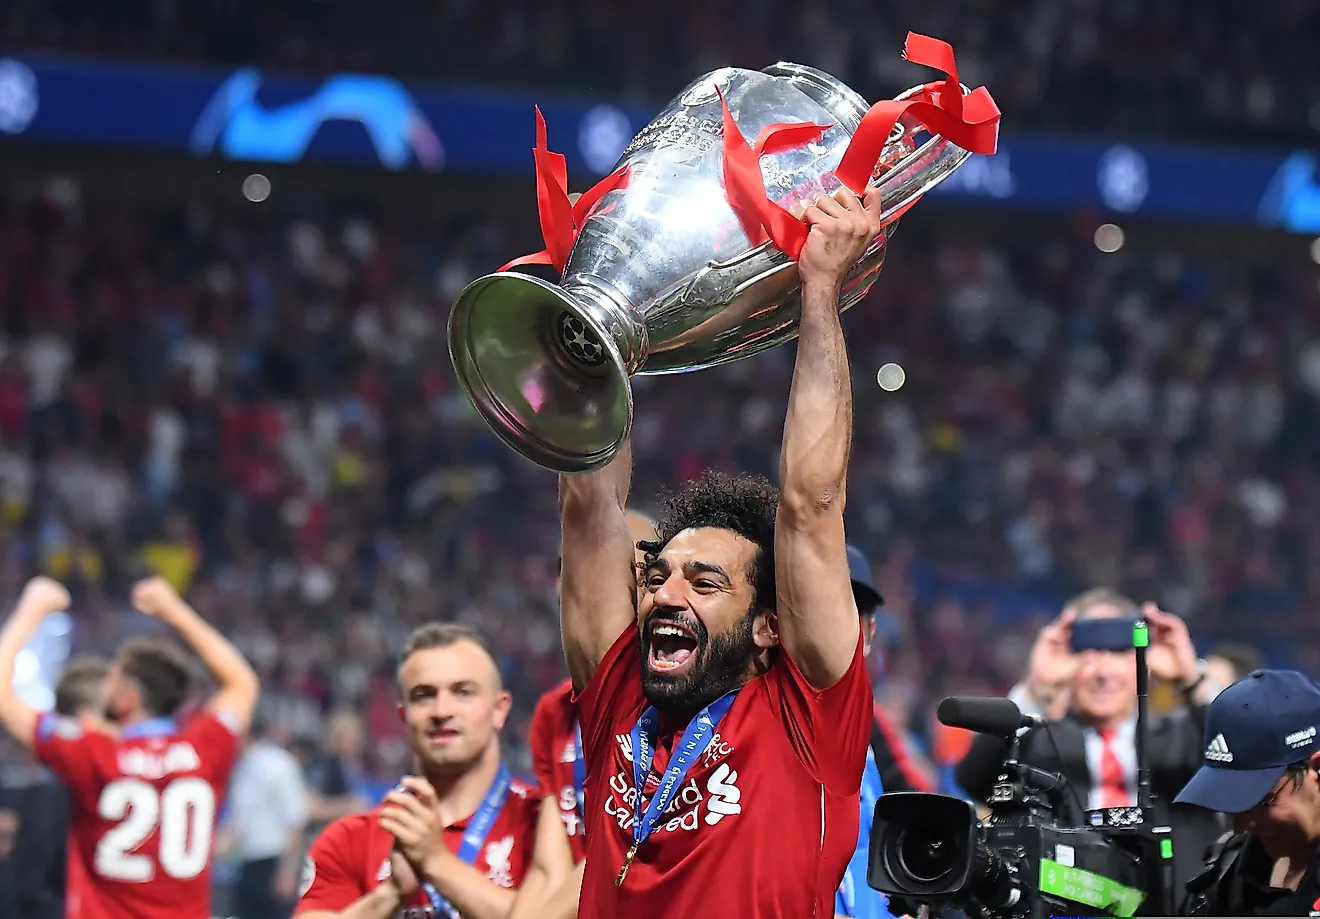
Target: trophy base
[542,369]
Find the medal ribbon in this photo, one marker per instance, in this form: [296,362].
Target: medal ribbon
[696,738]
[561,220]
[970,122]
[474,837]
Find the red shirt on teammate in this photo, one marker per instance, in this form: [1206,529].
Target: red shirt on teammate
[557,760]
[457,838]
[351,857]
[144,789]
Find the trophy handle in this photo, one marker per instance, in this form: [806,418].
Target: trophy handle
[905,182]
[920,171]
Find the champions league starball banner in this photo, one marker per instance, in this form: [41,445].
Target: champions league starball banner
[376,121]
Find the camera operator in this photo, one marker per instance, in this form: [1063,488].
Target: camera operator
[1262,757]
[1082,676]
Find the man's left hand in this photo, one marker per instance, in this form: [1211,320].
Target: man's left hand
[842,226]
[1171,655]
[410,815]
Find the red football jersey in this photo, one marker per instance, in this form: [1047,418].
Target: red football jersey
[143,811]
[352,855]
[765,821]
[553,739]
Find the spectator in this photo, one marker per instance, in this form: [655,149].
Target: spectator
[267,817]
[330,776]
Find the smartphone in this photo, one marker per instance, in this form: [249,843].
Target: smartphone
[1108,634]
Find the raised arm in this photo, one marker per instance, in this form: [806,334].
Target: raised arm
[818,622]
[40,598]
[237,685]
[598,582]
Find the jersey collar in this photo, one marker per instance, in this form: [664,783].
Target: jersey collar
[150,727]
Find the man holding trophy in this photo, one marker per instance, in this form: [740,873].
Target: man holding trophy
[732,702]
[725,707]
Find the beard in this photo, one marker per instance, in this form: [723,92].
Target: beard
[719,662]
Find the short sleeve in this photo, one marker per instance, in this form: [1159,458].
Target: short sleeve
[328,881]
[829,729]
[541,738]
[615,687]
[71,751]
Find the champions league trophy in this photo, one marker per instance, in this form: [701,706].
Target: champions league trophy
[666,267]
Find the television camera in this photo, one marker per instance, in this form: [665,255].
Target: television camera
[930,850]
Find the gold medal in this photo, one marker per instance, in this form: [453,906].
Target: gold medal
[627,860]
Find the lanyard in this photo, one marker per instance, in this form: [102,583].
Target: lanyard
[579,770]
[696,738]
[474,837]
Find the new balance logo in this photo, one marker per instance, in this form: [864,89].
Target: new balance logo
[1218,750]
[625,745]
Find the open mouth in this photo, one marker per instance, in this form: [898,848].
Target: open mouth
[672,646]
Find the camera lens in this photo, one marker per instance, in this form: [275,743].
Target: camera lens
[924,854]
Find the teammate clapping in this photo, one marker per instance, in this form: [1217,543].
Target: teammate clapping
[456,838]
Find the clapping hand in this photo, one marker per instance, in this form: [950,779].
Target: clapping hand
[411,816]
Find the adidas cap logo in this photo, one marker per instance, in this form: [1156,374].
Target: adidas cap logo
[1218,750]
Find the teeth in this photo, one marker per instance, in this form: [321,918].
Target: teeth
[669,630]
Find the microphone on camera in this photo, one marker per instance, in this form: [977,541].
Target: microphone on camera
[985,715]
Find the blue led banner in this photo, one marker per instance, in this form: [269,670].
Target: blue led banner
[373,120]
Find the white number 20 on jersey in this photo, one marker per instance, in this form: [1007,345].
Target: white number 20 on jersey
[184,812]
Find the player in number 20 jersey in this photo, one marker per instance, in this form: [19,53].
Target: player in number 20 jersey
[144,803]
[144,788]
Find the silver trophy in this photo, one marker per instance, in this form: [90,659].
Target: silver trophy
[662,278]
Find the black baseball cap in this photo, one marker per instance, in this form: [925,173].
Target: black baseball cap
[863,583]
[1254,730]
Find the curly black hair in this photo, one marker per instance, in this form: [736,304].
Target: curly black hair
[744,504]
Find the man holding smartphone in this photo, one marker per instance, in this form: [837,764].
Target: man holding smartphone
[1082,676]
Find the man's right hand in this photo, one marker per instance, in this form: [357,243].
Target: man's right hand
[45,596]
[1052,665]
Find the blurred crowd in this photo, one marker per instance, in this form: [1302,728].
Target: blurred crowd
[256,403]
[1158,67]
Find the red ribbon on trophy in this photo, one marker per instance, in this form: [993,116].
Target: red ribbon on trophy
[561,219]
[971,122]
[744,186]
